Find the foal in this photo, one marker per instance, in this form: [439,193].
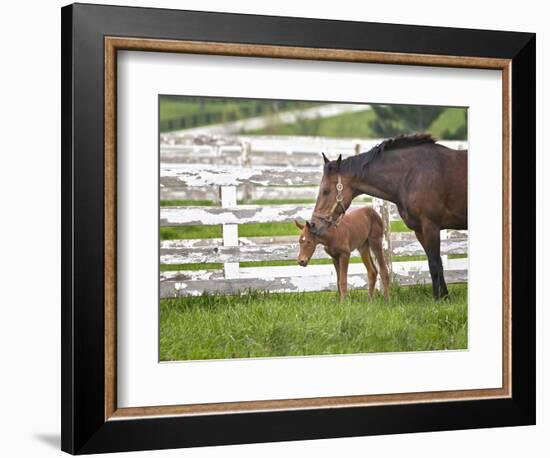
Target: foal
[360,229]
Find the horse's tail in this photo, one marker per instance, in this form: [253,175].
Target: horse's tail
[376,228]
[369,259]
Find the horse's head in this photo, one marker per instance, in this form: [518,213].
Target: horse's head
[307,241]
[335,193]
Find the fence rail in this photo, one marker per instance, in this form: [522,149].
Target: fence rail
[173,288]
[191,175]
[267,161]
[265,149]
[251,194]
[175,252]
[243,214]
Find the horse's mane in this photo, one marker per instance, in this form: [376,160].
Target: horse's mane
[353,165]
[404,141]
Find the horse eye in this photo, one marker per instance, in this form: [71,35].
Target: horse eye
[326,191]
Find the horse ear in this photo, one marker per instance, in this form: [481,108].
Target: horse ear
[298,224]
[325,158]
[338,161]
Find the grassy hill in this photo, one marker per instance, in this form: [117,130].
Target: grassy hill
[182,112]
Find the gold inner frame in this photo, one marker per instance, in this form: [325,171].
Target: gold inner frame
[114,44]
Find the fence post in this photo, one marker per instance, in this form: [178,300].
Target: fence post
[230,232]
[246,162]
[444,235]
[383,209]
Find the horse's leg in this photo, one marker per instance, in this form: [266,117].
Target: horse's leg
[343,261]
[442,285]
[377,249]
[420,238]
[430,240]
[372,273]
[337,268]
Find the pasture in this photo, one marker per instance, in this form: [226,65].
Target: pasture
[259,324]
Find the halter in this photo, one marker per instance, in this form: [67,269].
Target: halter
[338,203]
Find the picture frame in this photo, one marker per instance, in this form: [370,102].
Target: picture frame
[92,35]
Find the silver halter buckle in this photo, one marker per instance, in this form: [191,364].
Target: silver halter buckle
[339,188]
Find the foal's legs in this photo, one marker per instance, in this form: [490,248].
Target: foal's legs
[337,268]
[429,237]
[372,272]
[343,262]
[376,246]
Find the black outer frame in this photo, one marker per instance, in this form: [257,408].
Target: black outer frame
[84,429]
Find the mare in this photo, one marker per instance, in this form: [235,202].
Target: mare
[425,180]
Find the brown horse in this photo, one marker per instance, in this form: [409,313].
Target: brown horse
[360,229]
[426,180]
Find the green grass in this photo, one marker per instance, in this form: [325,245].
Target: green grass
[193,266]
[245,230]
[288,262]
[187,203]
[213,265]
[399,226]
[356,125]
[190,232]
[346,125]
[297,324]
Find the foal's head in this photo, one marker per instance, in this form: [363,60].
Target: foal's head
[308,242]
[335,192]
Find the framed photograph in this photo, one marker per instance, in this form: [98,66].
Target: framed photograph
[284,228]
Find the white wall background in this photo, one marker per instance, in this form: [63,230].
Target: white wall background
[30,227]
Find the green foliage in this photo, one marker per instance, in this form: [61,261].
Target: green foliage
[183,112]
[452,124]
[443,123]
[259,324]
[392,120]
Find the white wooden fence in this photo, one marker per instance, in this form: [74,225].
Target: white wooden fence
[248,170]
[261,151]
